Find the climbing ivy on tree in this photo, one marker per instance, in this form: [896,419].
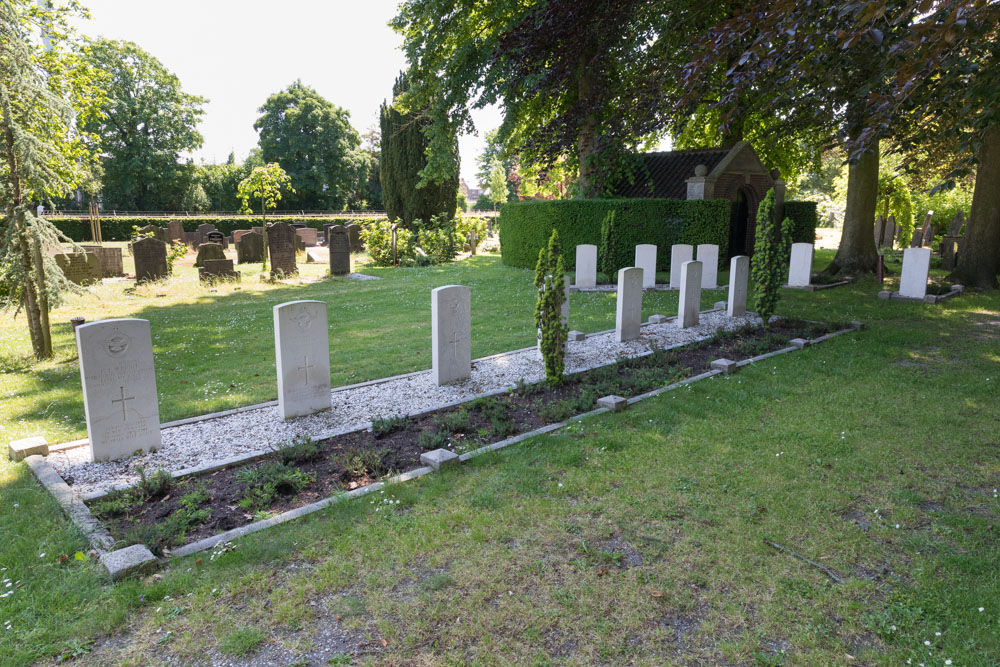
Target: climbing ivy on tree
[606,251]
[770,258]
[551,283]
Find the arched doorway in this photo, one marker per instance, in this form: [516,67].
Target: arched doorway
[739,224]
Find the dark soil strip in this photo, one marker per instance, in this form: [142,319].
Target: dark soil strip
[161,512]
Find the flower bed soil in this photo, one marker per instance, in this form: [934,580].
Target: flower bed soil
[162,513]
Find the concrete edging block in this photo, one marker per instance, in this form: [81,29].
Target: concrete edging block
[135,560]
[18,450]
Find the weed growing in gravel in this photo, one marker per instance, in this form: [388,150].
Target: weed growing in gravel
[383,426]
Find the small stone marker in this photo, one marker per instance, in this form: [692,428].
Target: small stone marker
[645,259]
[913,279]
[340,251]
[689,302]
[175,231]
[451,333]
[658,319]
[612,403]
[679,253]
[440,458]
[739,276]
[250,248]
[110,259]
[302,350]
[628,308]
[150,257]
[308,235]
[576,336]
[708,255]
[800,343]
[727,366]
[18,450]
[207,251]
[281,244]
[354,237]
[317,255]
[131,561]
[586,265]
[119,387]
[800,266]
[82,268]
[215,269]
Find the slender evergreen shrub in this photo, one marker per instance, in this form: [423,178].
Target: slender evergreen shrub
[769,264]
[550,281]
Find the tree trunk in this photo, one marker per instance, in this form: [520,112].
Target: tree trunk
[980,261]
[586,138]
[857,253]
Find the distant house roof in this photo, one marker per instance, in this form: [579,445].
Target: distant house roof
[665,174]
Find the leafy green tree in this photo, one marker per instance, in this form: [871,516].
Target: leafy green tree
[550,280]
[266,184]
[313,140]
[410,192]
[498,184]
[491,154]
[771,248]
[44,85]
[147,120]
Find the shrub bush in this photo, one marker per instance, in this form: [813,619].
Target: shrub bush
[550,282]
[525,227]
[804,219]
[119,228]
[770,257]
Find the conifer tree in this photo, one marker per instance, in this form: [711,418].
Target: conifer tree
[550,280]
[769,265]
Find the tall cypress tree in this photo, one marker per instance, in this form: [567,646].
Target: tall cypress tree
[403,158]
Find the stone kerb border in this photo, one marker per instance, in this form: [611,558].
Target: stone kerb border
[123,562]
[928,298]
[659,287]
[816,288]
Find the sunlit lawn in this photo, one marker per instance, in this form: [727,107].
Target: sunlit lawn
[632,538]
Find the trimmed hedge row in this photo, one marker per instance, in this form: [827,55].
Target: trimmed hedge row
[805,220]
[119,228]
[525,227]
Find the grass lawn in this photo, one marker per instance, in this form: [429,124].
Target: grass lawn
[636,537]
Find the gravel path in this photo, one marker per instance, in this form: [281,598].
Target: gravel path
[261,429]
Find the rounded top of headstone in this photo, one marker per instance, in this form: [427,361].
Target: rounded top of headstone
[775,173]
[701,170]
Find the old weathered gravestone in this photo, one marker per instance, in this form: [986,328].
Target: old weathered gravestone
[192,239]
[354,236]
[218,269]
[119,386]
[154,231]
[281,246]
[250,248]
[955,228]
[302,348]
[645,259]
[150,257]
[238,234]
[217,237]
[340,251]
[689,302]
[679,253]
[888,233]
[82,268]
[708,255]
[739,276]
[586,265]
[800,266]
[175,231]
[203,231]
[110,258]
[451,333]
[308,236]
[209,251]
[628,308]
[950,242]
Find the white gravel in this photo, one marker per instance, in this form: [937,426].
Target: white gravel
[261,429]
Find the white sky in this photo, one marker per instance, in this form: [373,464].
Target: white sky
[236,53]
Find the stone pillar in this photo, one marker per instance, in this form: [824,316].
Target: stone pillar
[698,186]
[302,353]
[679,253]
[451,334]
[628,309]
[689,303]
[645,259]
[739,276]
[586,265]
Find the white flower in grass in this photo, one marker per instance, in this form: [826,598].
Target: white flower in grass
[948,661]
[927,642]
[982,609]
[937,634]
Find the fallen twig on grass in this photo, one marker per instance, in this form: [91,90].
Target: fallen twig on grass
[823,568]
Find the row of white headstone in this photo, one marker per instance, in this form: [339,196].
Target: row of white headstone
[645,260]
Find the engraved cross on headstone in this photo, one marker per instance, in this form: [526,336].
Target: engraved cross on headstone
[122,400]
[455,339]
[305,366]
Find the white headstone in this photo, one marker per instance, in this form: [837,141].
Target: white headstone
[689,301]
[451,333]
[119,387]
[302,351]
[628,312]
[913,279]
[801,264]
[679,253]
[708,255]
[586,265]
[645,259]
[739,276]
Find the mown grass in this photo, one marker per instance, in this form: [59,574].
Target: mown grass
[635,537]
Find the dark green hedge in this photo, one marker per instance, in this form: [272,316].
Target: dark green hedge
[119,228]
[803,215]
[526,226]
